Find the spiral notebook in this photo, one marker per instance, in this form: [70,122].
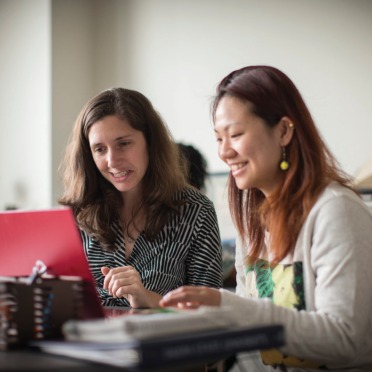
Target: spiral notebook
[50,237]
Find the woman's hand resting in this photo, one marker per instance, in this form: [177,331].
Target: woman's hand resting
[126,282]
[192,297]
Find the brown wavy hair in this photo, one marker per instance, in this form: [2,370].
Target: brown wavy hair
[312,166]
[95,201]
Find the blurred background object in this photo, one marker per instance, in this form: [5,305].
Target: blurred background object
[197,166]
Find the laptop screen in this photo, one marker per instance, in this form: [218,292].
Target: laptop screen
[50,236]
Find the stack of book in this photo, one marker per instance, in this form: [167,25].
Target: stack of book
[162,337]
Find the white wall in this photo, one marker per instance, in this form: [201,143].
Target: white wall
[25,151]
[175,52]
[180,50]
[73,56]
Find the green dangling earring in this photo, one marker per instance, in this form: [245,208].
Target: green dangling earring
[284,164]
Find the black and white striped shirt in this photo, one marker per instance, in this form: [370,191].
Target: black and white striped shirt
[186,252]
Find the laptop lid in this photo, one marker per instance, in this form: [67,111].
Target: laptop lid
[52,237]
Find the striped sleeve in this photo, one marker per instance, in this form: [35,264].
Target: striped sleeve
[204,260]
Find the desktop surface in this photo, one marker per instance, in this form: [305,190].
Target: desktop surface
[33,360]
[26,359]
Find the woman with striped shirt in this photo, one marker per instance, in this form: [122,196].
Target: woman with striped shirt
[145,230]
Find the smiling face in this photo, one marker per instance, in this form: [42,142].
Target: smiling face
[249,146]
[120,153]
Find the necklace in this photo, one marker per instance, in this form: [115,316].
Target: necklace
[130,229]
[130,240]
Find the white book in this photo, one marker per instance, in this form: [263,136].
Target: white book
[152,323]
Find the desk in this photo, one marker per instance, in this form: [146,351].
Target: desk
[34,360]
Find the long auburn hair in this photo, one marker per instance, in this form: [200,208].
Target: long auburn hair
[95,201]
[312,166]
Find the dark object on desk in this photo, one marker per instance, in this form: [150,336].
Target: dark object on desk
[183,349]
[37,310]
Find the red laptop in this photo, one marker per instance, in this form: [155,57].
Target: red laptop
[50,236]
